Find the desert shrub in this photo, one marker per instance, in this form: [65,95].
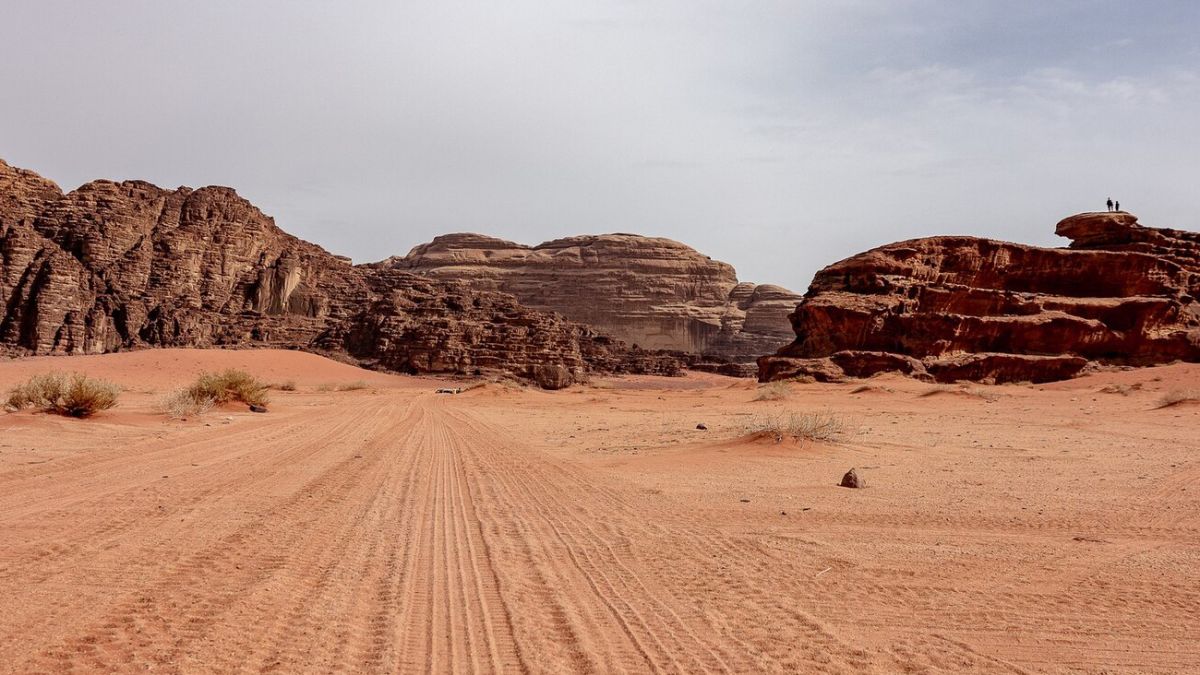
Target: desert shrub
[962,390]
[289,385]
[775,391]
[865,388]
[343,386]
[508,383]
[182,403]
[810,426]
[983,393]
[1179,396]
[228,385]
[75,395]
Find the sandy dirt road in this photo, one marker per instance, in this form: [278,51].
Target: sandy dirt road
[395,530]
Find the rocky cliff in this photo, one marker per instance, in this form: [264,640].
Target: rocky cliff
[113,266]
[650,291]
[951,308]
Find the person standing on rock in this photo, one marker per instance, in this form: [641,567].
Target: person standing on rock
[1110,204]
[1117,207]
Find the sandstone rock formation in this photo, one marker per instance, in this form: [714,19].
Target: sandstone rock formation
[650,291]
[964,308]
[114,266]
[418,325]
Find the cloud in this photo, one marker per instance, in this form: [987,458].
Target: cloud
[778,136]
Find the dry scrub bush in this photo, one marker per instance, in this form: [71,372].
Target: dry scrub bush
[775,391]
[289,385]
[975,392]
[1122,389]
[181,404]
[343,386]
[819,426]
[226,386]
[864,388]
[1179,396]
[75,395]
[506,383]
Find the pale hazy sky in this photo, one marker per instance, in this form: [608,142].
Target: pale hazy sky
[778,136]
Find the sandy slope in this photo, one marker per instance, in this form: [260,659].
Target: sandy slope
[1008,529]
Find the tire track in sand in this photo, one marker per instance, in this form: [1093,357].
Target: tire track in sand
[397,533]
[453,618]
[169,623]
[688,597]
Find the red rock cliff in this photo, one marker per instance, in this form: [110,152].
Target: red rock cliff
[650,291]
[121,265]
[955,308]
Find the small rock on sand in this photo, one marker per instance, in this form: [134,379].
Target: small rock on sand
[852,480]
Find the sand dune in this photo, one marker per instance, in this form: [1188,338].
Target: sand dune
[1049,528]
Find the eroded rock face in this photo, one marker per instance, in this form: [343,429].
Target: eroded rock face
[113,266]
[964,308]
[649,291]
[418,325]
